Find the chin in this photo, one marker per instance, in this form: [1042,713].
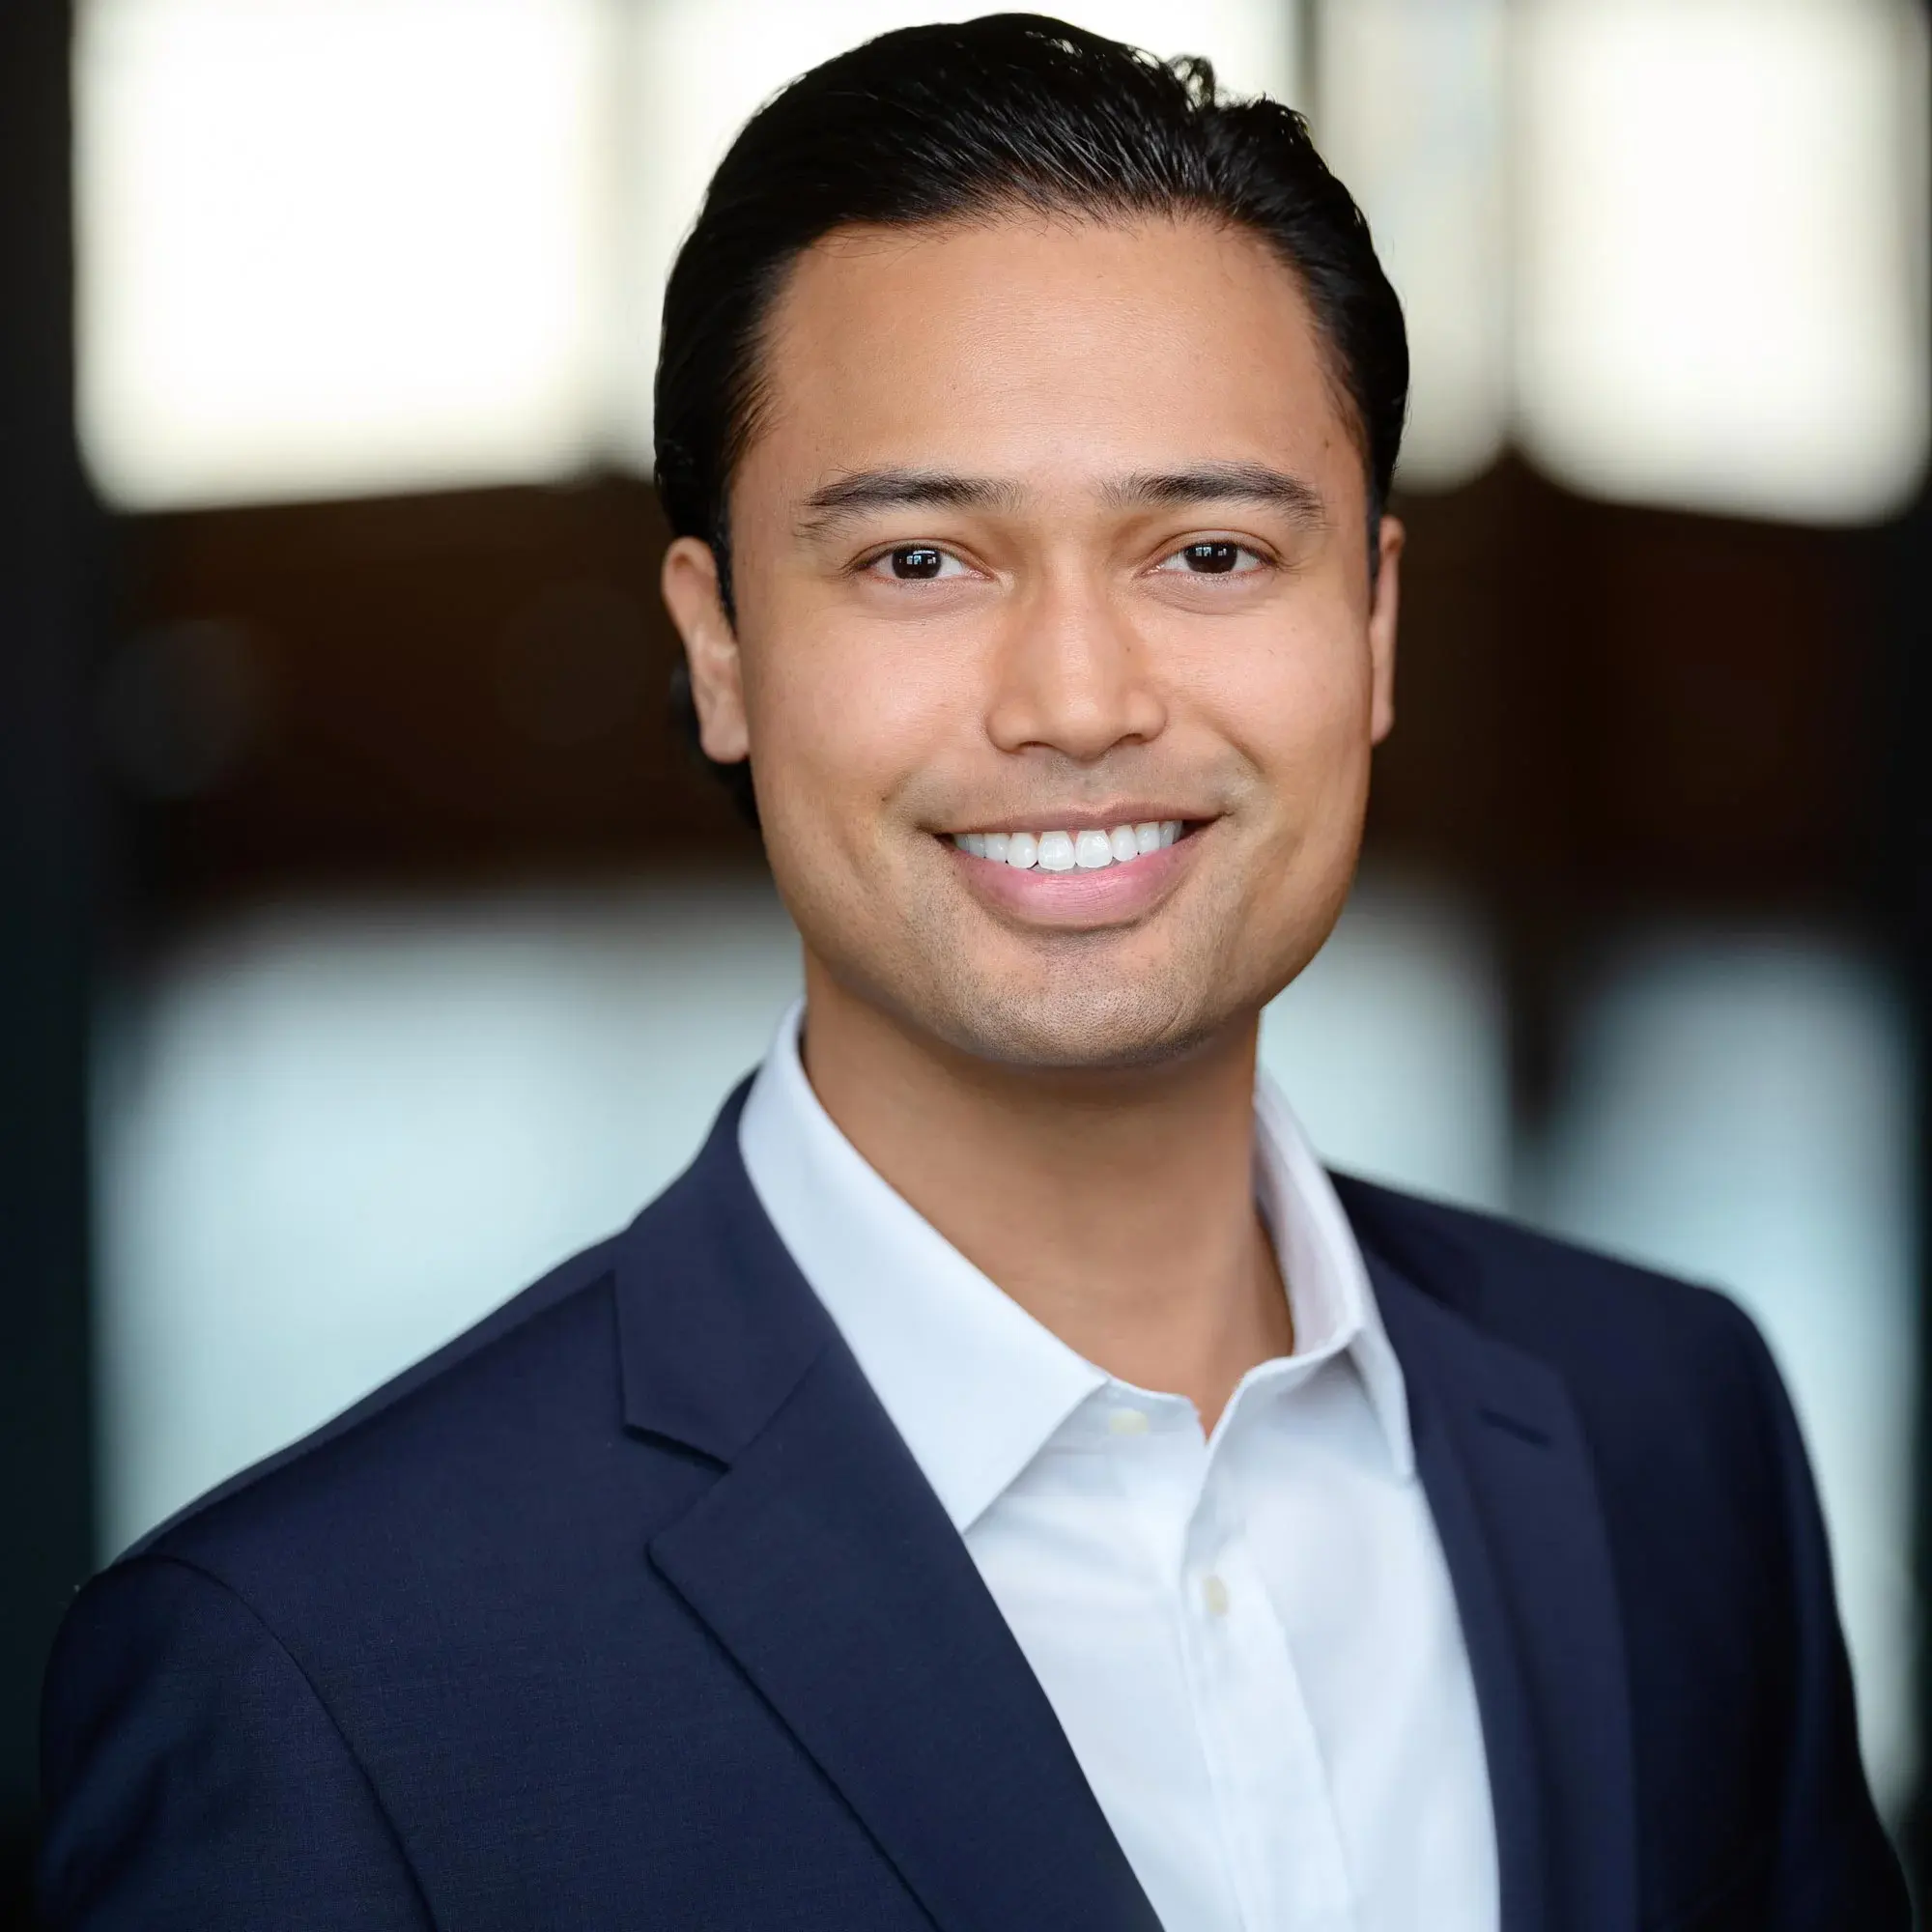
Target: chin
[1078,1026]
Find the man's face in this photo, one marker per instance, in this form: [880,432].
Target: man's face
[1051,530]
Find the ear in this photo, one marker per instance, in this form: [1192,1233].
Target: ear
[690,594]
[1385,601]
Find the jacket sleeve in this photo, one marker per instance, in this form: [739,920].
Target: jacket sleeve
[192,1779]
[1834,1867]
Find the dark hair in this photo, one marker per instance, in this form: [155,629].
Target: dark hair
[1014,111]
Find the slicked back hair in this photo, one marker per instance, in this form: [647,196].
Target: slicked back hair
[1014,113]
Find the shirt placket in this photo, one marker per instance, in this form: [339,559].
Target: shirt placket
[1269,1784]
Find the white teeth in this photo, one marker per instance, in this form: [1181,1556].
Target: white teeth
[1090,851]
[1056,852]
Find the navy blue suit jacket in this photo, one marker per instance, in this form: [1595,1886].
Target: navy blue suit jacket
[630,1610]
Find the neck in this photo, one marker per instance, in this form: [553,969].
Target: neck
[1115,1205]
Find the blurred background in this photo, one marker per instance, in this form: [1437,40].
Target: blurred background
[366,942]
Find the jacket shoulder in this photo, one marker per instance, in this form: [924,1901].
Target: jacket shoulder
[1687,1424]
[494,1450]
[536,1378]
[521,1345]
[1589,1313]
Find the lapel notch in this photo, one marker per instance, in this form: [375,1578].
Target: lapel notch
[824,1564]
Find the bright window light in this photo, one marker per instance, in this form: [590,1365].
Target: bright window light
[1413,111]
[344,246]
[336,246]
[1721,263]
[702,67]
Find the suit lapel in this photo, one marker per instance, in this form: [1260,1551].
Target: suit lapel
[824,1564]
[1505,1465]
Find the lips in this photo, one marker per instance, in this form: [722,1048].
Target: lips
[1071,880]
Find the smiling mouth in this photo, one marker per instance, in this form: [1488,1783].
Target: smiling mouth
[1087,851]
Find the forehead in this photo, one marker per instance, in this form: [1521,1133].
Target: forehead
[1035,347]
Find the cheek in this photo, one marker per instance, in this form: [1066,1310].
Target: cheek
[1299,705]
[843,719]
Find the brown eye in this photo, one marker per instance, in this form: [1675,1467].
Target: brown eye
[1213,556]
[917,562]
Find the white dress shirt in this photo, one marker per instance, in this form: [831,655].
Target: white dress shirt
[1249,1638]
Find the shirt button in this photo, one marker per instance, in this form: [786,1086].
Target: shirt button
[1128,1422]
[1214,1593]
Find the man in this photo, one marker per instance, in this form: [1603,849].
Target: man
[1005,1483]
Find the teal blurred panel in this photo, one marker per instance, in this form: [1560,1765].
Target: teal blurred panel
[1393,1044]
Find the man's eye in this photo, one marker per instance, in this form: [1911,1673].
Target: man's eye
[1213,557]
[916,564]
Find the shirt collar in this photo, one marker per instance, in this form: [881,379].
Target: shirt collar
[972,1382]
[1329,1292]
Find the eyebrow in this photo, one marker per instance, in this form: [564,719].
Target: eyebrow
[1223,483]
[848,498]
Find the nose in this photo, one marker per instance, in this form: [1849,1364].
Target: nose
[1073,677]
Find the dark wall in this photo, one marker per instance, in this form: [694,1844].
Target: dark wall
[1906,872]
[1597,706]
[45,896]
[427,688]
